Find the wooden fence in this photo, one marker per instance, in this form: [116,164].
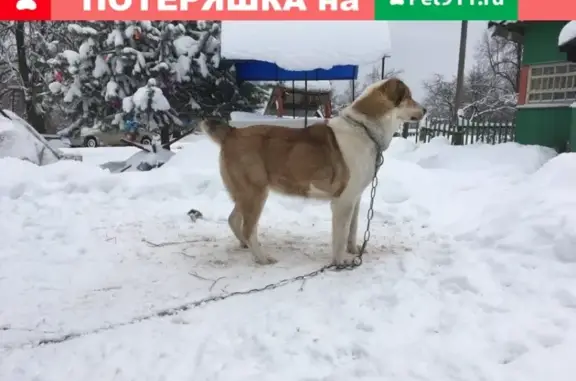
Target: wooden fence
[465,132]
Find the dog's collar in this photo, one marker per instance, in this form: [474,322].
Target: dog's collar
[379,147]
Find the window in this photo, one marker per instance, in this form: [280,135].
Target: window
[552,83]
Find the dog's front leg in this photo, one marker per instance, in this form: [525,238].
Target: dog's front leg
[351,245]
[342,211]
[235,223]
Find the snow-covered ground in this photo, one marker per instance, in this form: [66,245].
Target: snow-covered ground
[470,275]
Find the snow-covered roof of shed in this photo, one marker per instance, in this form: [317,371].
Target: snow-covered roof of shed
[567,33]
[306,45]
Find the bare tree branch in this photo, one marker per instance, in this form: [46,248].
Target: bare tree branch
[490,86]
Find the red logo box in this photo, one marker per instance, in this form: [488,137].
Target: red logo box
[25,10]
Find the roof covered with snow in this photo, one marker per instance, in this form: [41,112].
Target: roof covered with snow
[567,33]
[306,45]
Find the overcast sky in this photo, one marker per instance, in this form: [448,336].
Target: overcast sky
[423,48]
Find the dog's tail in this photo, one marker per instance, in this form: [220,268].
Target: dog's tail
[217,130]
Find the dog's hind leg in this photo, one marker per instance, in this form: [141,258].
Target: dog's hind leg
[235,222]
[351,246]
[251,209]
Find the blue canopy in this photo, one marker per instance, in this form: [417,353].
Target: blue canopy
[253,70]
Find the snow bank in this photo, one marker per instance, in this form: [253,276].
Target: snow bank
[309,86]
[539,211]
[470,272]
[567,33]
[252,116]
[18,142]
[306,45]
[240,119]
[478,180]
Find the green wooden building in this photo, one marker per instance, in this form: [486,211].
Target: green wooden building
[547,83]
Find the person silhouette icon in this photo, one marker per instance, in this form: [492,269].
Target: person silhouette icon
[28,5]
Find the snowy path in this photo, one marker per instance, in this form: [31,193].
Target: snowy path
[470,275]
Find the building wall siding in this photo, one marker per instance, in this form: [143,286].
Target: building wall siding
[552,127]
[572,146]
[541,43]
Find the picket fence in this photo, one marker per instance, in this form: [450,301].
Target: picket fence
[465,132]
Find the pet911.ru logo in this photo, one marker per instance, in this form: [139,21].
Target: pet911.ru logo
[444,3]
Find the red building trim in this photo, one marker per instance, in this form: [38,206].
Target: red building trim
[523,85]
[328,108]
[279,99]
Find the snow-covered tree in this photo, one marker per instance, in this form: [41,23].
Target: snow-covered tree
[355,88]
[487,97]
[79,76]
[99,77]
[489,89]
[215,91]
[149,107]
[109,63]
[24,51]
[440,96]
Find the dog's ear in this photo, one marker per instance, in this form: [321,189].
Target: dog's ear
[395,90]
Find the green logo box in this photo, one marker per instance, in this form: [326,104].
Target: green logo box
[446,10]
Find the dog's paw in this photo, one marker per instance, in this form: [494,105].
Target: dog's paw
[267,260]
[353,249]
[343,262]
[243,245]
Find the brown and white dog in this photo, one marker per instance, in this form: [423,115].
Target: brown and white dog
[333,161]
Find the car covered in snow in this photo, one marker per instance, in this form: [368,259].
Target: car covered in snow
[148,158]
[95,137]
[20,140]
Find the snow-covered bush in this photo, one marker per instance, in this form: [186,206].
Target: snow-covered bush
[148,106]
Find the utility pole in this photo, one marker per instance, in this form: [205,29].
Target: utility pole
[383,67]
[458,138]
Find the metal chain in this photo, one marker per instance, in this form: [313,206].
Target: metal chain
[356,262]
